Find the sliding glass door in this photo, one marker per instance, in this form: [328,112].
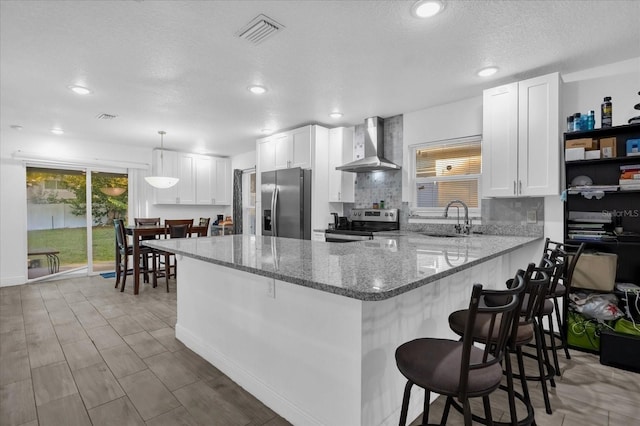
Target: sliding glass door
[60,214]
[108,201]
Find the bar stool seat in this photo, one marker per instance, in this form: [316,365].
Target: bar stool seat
[435,364]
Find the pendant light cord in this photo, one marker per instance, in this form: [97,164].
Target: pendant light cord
[162,133]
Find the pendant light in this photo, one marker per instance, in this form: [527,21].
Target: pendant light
[161,182]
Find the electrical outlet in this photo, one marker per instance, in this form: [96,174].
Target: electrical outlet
[271,288]
[531,216]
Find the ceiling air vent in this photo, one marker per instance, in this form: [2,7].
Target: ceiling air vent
[104,116]
[259,29]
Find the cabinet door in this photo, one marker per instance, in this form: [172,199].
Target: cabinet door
[222,187]
[500,141]
[186,172]
[300,150]
[282,155]
[341,184]
[165,163]
[267,154]
[205,180]
[539,136]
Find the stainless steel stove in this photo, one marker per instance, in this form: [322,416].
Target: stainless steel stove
[363,224]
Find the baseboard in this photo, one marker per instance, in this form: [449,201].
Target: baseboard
[11,281]
[246,380]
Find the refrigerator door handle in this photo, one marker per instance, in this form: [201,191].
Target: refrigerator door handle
[274,211]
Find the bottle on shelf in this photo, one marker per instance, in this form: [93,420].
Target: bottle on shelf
[570,123]
[607,110]
[576,122]
[591,120]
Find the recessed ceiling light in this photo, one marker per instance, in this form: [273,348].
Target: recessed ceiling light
[258,90]
[488,71]
[80,90]
[427,8]
[57,131]
[335,114]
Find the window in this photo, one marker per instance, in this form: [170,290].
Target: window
[445,171]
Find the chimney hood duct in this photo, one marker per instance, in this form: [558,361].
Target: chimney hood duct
[370,154]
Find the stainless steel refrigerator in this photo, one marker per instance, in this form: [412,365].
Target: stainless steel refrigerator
[286,203]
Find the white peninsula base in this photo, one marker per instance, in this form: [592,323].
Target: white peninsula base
[318,358]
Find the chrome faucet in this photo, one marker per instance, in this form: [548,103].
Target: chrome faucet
[467,224]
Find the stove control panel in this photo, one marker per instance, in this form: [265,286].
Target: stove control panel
[374,215]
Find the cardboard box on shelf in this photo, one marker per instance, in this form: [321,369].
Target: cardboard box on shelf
[608,148]
[586,143]
[573,154]
[592,155]
[595,271]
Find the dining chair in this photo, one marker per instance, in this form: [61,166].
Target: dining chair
[165,267]
[123,251]
[147,221]
[204,222]
[458,369]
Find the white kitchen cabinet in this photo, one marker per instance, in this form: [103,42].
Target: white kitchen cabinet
[521,138]
[187,173]
[286,150]
[222,186]
[203,179]
[341,184]
[180,165]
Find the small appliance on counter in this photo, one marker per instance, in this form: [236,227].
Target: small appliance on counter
[362,224]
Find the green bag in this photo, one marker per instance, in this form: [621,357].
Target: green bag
[625,326]
[583,332]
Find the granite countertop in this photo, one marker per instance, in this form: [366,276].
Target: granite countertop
[391,264]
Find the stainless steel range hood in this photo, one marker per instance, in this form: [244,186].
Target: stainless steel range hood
[369,154]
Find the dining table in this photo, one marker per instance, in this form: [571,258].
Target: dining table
[157,231]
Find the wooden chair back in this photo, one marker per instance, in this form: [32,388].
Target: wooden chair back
[178,228]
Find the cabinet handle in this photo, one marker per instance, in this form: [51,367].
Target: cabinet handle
[177,200]
[520,187]
[514,187]
[339,195]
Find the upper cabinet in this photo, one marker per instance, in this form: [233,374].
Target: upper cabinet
[521,138]
[203,179]
[341,184]
[212,182]
[286,150]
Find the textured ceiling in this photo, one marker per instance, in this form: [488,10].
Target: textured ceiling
[179,66]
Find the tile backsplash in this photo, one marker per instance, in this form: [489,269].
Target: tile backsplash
[373,187]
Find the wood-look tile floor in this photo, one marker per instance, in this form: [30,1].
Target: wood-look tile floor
[79,352]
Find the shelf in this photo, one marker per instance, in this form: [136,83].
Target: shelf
[607,243]
[603,132]
[615,160]
[634,191]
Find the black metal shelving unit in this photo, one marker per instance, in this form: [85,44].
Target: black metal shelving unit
[624,204]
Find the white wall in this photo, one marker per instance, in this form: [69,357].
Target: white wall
[442,122]
[13,194]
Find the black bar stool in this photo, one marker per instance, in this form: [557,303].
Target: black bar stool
[458,368]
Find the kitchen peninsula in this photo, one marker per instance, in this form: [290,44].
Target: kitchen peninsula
[310,328]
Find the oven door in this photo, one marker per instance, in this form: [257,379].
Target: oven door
[335,237]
